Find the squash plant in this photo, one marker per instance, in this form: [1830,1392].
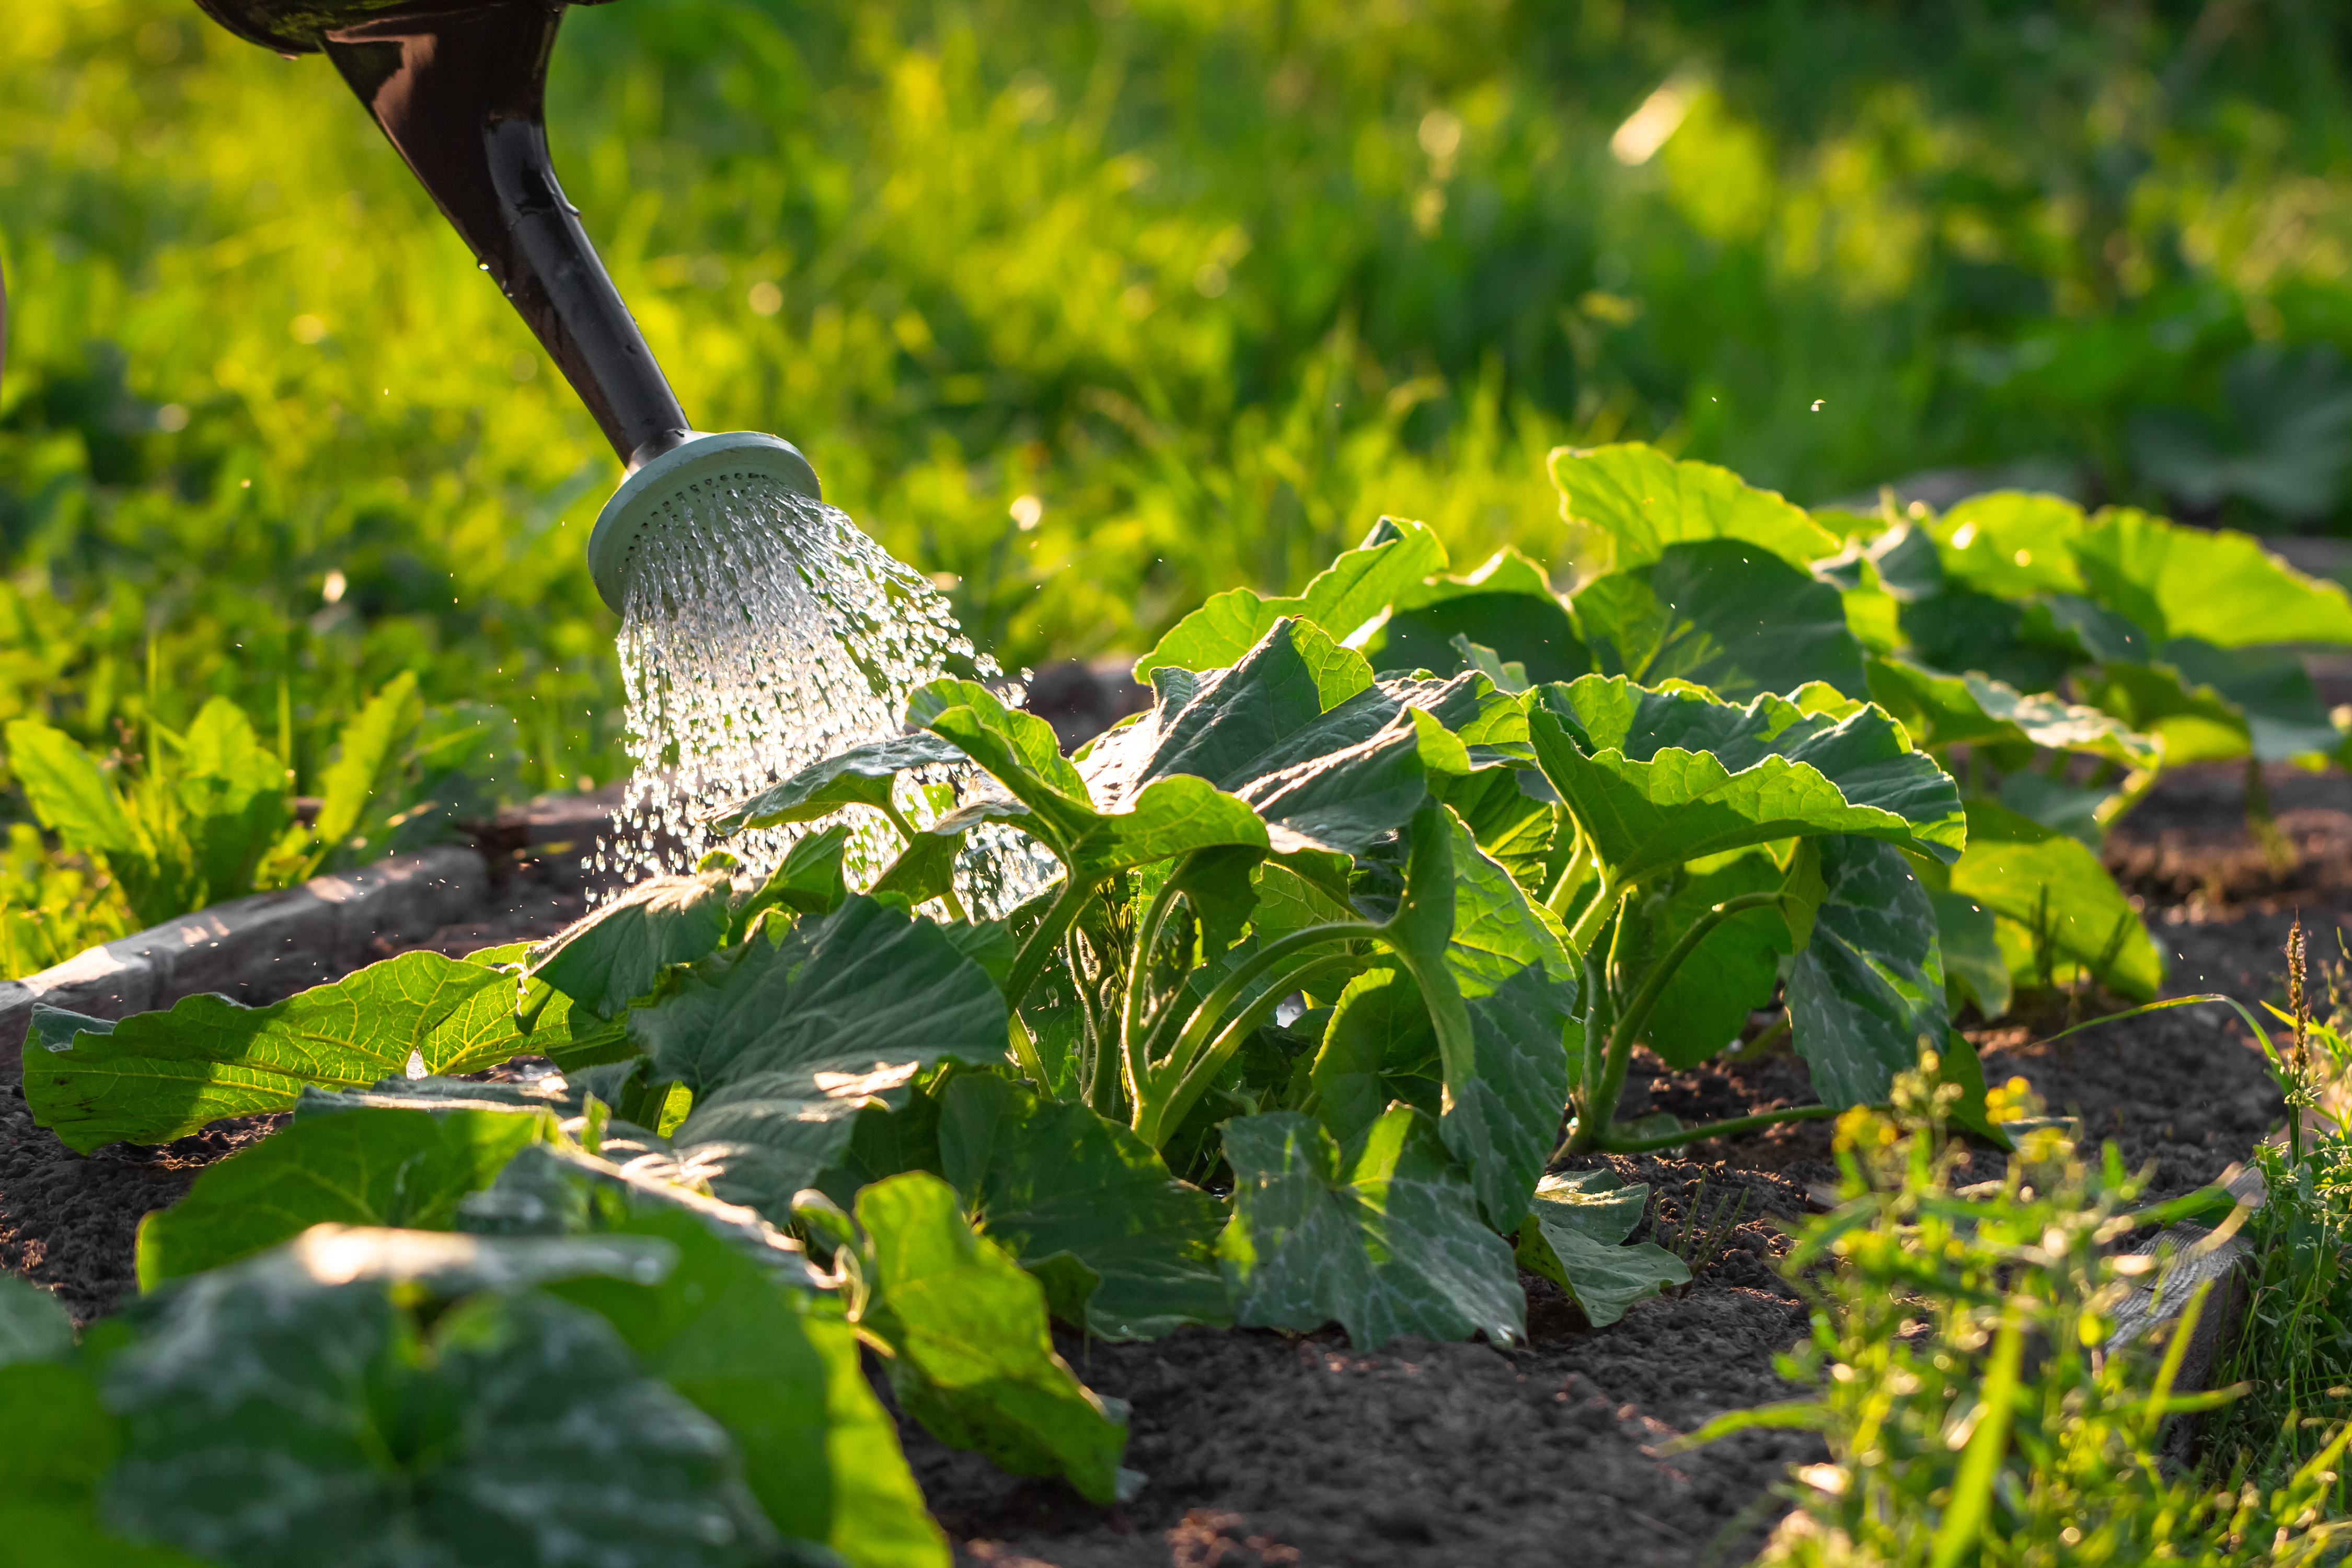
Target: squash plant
[1352,935]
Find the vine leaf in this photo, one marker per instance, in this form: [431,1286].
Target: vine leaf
[1866,994]
[155,1077]
[1044,1179]
[1575,1236]
[1382,1237]
[609,958]
[1657,778]
[370,1167]
[1343,597]
[2049,892]
[972,1355]
[1724,614]
[783,1043]
[861,775]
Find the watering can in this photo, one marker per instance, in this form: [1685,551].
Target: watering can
[459,88]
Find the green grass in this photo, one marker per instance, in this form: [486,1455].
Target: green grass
[1217,283]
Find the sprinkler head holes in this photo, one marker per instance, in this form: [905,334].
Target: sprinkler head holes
[696,474]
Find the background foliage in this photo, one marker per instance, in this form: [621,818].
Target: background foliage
[1214,281]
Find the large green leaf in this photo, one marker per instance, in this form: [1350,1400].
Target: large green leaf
[1340,599]
[1501,989]
[1974,968]
[860,776]
[57,1442]
[783,1043]
[1575,1236]
[1049,799]
[1626,504]
[1509,811]
[780,1370]
[1731,973]
[1724,614]
[2215,586]
[1866,994]
[1330,759]
[1378,1047]
[368,1166]
[2002,639]
[1507,605]
[1974,710]
[1042,1179]
[2012,543]
[1657,778]
[33,1324]
[294,1409]
[609,959]
[155,1077]
[1382,1237]
[2193,724]
[2272,692]
[2050,891]
[972,1355]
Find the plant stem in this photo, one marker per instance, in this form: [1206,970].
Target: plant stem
[1605,899]
[1762,1046]
[906,831]
[1730,1129]
[1139,971]
[1150,1104]
[1564,886]
[1601,1099]
[1024,1051]
[1205,1068]
[1058,917]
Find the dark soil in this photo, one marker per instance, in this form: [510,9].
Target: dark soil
[1264,1448]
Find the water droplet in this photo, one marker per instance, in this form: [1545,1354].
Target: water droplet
[762,632]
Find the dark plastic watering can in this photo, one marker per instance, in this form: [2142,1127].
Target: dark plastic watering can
[460,91]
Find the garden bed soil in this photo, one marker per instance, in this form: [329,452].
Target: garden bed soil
[1264,1448]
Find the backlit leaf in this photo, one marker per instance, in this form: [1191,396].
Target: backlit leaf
[1866,994]
[1726,614]
[1575,1236]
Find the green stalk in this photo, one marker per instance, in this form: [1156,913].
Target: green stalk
[1139,971]
[906,831]
[1150,1104]
[1205,1068]
[1601,1099]
[1605,899]
[1565,886]
[1731,1128]
[1059,916]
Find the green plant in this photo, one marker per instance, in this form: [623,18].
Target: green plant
[51,906]
[204,815]
[1978,1405]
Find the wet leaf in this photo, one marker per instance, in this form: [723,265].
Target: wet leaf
[1382,1237]
[861,775]
[1051,801]
[783,1043]
[609,958]
[972,1355]
[1042,1179]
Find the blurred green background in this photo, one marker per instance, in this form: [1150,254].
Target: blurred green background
[1093,309]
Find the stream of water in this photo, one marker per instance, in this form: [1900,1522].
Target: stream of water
[764,631]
